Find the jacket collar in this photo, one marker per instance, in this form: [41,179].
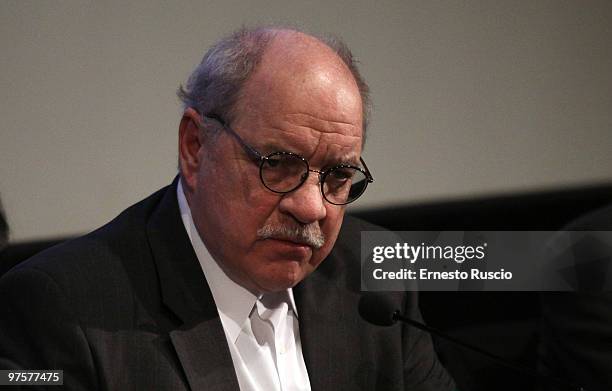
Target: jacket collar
[200,341]
[327,330]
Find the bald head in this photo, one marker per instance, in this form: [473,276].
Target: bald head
[297,73]
[219,81]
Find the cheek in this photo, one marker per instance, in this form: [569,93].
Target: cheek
[331,228]
[240,205]
[333,221]
[234,186]
[242,188]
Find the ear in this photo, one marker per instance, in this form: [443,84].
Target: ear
[190,148]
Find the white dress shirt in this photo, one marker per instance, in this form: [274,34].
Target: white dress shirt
[262,331]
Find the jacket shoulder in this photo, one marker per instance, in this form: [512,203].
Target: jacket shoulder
[101,265]
[352,227]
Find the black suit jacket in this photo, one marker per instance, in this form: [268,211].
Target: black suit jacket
[127,307]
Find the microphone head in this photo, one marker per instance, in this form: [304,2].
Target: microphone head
[377,309]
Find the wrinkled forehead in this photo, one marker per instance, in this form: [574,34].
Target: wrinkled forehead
[301,78]
[322,141]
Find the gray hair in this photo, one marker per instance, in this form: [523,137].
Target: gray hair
[214,86]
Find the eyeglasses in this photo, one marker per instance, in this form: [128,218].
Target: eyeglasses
[284,172]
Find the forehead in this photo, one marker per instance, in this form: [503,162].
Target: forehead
[312,138]
[303,96]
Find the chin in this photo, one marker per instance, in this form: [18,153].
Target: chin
[276,282]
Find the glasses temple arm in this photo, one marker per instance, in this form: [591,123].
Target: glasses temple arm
[231,131]
[367,170]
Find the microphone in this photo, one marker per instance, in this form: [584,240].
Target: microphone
[379,309]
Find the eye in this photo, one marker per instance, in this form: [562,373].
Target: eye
[339,178]
[283,172]
[273,162]
[342,174]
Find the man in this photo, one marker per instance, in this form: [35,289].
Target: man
[236,276]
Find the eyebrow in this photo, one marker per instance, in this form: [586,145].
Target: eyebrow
[271,146]
[349,158]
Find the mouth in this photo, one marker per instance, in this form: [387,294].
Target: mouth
[290,248]
[291,242]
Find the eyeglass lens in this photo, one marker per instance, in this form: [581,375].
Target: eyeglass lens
[284,172]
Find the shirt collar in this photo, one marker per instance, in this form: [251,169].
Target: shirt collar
[234,302]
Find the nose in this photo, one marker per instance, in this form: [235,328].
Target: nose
[306,203]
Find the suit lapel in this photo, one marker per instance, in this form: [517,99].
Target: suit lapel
[200,342]
[324,334]
[204,355]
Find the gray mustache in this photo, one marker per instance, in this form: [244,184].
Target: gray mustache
[310,234]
